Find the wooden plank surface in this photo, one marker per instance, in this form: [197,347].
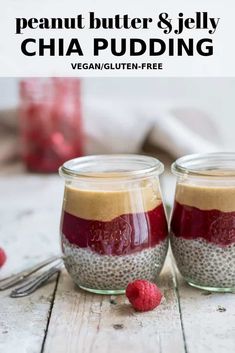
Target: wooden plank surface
[208,319]
[83,322]
[29,209]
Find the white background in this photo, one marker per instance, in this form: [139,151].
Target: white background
[13,63]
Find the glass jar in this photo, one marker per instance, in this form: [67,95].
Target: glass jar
[203,220]
[50,122]
[113,225]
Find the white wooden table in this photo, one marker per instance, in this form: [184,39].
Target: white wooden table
[59,318]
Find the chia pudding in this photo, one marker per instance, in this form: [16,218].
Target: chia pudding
[203,234]
[111,237]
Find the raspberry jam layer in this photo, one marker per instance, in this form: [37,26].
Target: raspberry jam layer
[215,226]
[122,235]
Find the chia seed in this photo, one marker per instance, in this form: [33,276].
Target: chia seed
[111,272]
[204,263]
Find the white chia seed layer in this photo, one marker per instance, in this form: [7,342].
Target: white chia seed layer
[203,263]
[106,272]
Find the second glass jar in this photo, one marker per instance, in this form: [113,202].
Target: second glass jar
[113,226]
[203,220]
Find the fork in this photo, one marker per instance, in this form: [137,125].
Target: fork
[32,285]
[12,280]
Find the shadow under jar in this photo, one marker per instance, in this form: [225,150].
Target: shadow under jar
[113,225]
[203,220]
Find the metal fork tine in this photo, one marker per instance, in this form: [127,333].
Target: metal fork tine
[10,281]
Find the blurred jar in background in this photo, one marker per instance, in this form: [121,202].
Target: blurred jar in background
[50,122]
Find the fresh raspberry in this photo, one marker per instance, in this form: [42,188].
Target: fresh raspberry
[143,295]
[3,257]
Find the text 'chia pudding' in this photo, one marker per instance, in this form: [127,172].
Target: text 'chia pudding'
[113,227]
[203,234]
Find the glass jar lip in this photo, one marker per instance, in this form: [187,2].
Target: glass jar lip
[48,88]
[79,167]
[213,164]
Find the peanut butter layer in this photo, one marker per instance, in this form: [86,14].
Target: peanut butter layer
[107,205]
[206,197]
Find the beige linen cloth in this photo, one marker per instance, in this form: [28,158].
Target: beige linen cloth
[115,126]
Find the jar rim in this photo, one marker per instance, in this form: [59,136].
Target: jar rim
[214,164]
[111,166]
[48,88]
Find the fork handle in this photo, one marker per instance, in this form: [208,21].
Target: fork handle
[32,285]
[14,279]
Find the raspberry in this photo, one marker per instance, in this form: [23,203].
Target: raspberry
[3,257]
[143,295]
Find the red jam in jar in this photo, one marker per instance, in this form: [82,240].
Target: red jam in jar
[50,122]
